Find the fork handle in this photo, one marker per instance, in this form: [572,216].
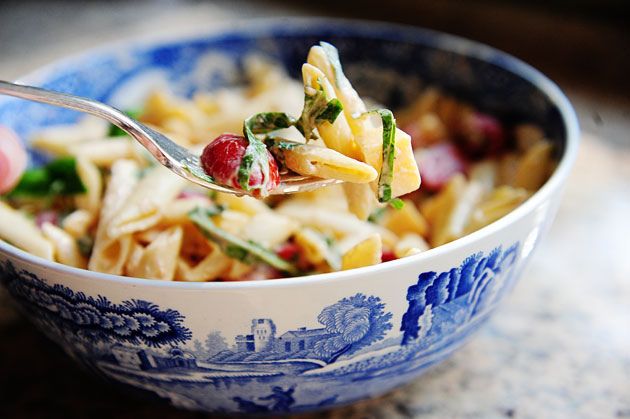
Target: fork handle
[82,104]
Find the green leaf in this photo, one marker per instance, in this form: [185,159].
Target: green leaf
[264,122]
[377,214]
[59,177]
[114,131]
[330,112]
[246,251]
[277,146]
[389,151]
[256,152]
[197,171]
[397,203]
[85,245]
[317,109]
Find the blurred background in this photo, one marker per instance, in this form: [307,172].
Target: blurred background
[575,361]
[584,45]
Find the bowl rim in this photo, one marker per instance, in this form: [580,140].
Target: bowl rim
[380,30]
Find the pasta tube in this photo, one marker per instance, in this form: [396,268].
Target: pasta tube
[143,208]
[66,249]
[326,163]
[367,252]
[22,232]
[110,252]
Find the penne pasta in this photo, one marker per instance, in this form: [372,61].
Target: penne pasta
[328,164]
[406,219]
[406,177]
[367,252]
[176,211]
[104,152]
[245,204]
[143,207]
[213,266]
[269,229]
[361,199]
[78,222]
[110,252]
[60,138]
[121,213]
[93,182]
[66,248]
[410,244]
[503,200]
[18,230]
[159,259]
[533,168]
[337,135]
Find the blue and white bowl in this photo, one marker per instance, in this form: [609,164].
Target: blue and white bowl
[301,343]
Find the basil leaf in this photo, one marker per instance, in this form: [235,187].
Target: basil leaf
[246,251]
[197,171]
[114,131]
[317,109]
[397,203]
[59,177]
[256,152]
[264,122]
[377,215]
[330,112]
[389,151]
[277,146]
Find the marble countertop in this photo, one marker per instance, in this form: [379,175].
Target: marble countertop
[559,347]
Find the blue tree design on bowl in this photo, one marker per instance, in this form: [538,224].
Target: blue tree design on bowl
[266,370]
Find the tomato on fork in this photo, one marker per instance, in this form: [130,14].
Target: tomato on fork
[222,159]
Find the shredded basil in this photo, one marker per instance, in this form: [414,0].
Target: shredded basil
[377,215]
[330,112]
[264,122]
[317,109]
[277,146]
[256,152]
[59,177]
[397,203]
[389,151]
[197,171]
[246,251]
[85,245]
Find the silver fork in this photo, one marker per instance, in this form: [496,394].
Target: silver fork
[170,154]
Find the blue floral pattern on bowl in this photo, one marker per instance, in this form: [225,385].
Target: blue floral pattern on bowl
[266,369]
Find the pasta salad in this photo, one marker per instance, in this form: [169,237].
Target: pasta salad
[101,203]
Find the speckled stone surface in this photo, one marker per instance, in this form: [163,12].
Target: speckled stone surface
[559,347]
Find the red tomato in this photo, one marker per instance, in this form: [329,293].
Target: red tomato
[289,252]
[222,158]
[481,134]
[12,159]
[388,255]
[438,164]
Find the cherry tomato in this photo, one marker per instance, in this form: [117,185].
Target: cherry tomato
[388,255]
[222,159]
[481,134]
[12,159]
[438,164]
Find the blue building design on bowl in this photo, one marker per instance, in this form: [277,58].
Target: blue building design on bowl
[266,369]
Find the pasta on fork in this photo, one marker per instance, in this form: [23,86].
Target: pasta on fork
[100,203]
